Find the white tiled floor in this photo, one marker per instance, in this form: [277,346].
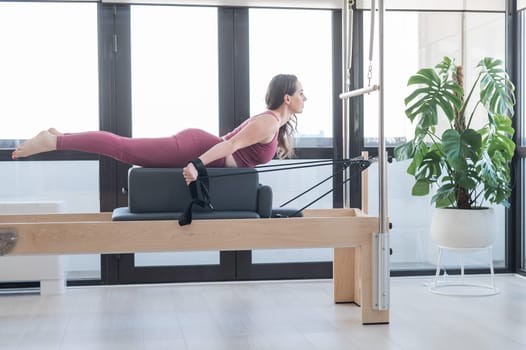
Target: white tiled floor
[261,315]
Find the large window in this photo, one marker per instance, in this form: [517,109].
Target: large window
[48,68]
[49,78]
[295,42]
[174,69]
[174,54]
[415,40]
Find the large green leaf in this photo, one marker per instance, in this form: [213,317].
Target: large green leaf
[494,165]
[446,67]
[496,89]
[421,187]
[495,174]
[433,93]
[460,147]
[430,167]
[498,137]
[444,196]
[404,151]
[420,151]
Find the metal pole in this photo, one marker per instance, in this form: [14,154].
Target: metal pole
[382,250]
[347,61]
[381,128]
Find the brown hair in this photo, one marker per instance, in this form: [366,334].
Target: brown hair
[279,86]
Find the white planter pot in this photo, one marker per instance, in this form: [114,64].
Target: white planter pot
[463,228]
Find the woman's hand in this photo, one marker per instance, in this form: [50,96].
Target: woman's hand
[189,173]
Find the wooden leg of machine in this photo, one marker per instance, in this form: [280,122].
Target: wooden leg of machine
[369,314]
[344,277]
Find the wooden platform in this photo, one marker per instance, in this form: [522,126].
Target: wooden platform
[348,231]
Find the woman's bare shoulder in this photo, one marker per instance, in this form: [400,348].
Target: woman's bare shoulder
[267,118]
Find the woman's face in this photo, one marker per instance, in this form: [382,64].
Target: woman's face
[297,100]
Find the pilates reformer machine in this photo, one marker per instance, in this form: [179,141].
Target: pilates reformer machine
[360,241]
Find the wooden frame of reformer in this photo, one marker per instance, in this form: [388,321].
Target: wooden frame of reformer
[348,231]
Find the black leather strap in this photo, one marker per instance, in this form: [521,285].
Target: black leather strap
[198,191]
[200,167]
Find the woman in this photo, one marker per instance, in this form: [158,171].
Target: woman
[254,142]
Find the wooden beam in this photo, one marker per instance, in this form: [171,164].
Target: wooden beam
[93,233]
[320,228]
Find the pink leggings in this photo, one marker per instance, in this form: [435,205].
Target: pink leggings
[163,152]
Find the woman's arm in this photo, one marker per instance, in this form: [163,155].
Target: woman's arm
[261,129]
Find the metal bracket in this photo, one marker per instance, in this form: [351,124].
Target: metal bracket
[381,271]
[8,238]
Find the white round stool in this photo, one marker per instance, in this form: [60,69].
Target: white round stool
[459,286]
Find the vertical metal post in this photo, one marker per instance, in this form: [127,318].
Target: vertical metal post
[381,252]
[347,43]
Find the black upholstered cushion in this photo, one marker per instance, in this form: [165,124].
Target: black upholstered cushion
[265,201]
[162,194]
[158,190]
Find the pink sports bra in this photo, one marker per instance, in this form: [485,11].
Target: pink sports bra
[258,153]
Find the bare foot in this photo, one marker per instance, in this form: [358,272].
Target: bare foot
[55,132]
[45,141]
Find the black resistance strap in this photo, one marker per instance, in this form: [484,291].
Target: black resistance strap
[198,191]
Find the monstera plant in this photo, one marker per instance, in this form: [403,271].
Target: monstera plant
[469,167]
